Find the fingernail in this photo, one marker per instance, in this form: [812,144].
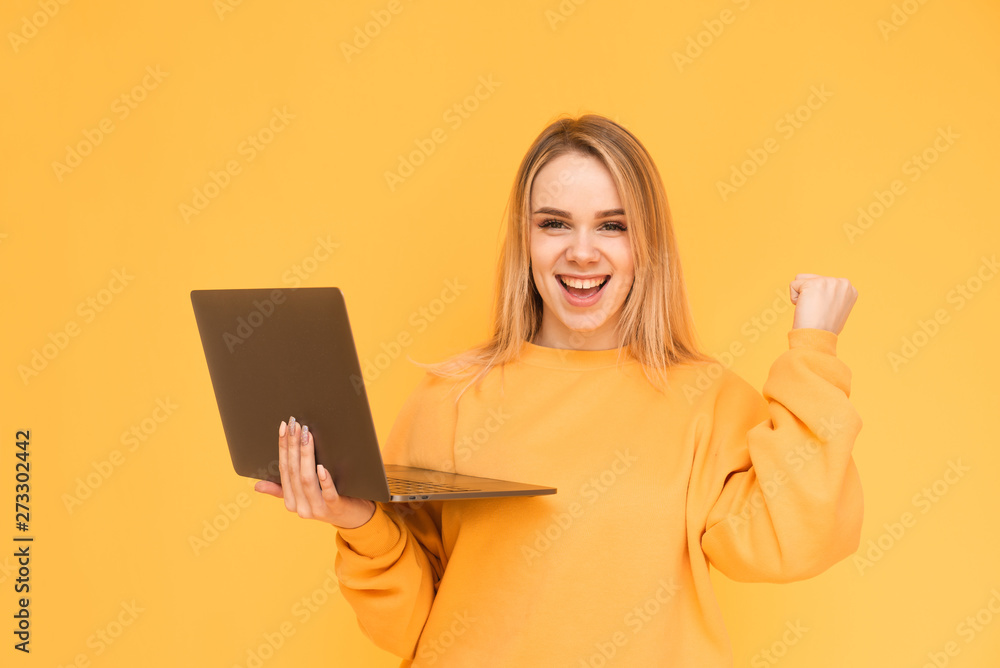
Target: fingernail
[291,420]
[305,435]
[281,428]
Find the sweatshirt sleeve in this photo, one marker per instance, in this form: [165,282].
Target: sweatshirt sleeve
[389,568]
[785,500]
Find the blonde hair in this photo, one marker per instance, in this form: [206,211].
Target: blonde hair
[656,326]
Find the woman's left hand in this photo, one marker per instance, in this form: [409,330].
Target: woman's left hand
[821,302]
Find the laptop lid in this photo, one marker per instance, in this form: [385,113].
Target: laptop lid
[264,349]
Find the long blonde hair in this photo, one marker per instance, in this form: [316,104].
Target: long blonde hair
[656,326]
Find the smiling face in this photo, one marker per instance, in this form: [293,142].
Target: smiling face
[581,257]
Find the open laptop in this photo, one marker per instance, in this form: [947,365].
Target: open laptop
[274,353]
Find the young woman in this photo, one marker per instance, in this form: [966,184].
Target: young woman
[665,460]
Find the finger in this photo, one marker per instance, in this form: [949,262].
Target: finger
[283,466]
[328,489]
[294,481]
[795,287]
[268,487]
[307,466]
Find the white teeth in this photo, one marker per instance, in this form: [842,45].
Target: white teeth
[582,284]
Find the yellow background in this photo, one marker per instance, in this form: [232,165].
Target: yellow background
[322,176]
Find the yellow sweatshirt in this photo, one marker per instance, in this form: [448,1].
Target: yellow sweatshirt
[652,488]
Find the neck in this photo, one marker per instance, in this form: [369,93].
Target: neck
[573,340]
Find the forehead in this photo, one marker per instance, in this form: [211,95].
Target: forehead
[574,180]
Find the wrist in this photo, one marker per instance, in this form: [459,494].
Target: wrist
[367,517]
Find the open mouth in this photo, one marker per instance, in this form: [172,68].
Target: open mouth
[583,288]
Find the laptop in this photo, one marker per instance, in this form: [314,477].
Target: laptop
[277,352]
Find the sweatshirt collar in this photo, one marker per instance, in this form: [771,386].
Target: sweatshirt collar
[559,358]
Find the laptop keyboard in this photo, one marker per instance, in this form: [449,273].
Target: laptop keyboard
[400,486]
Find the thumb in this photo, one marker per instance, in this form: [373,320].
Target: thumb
[326,483]
[268,487]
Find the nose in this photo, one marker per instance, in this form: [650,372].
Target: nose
[582,249]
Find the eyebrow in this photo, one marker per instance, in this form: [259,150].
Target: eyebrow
[566,214]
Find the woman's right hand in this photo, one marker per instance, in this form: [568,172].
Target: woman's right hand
[308,487]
